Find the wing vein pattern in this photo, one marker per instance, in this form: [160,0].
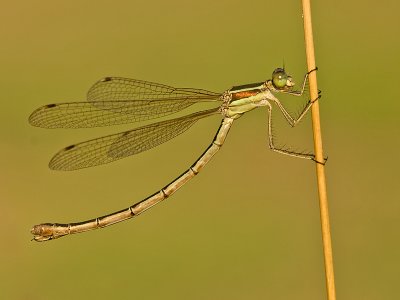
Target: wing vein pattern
[116,100]
[116,146]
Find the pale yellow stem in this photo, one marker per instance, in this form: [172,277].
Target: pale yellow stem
[319,156]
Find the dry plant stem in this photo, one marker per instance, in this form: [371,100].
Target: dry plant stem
[323,199]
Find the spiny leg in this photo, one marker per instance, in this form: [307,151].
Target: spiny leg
[281,150]
[303,86]
[293,121]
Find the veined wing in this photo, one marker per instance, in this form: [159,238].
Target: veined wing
[118,88]
[106,113]
[116,146]
[115,100]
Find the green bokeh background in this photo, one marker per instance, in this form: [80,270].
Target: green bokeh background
[248,226]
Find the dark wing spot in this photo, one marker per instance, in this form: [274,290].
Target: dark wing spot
[69,147]
[50,105]
[106,79]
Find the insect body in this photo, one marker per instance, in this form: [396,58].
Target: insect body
[115,100]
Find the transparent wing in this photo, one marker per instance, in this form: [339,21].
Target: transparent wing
[118,88]
[97,114]
[113,147]
[115,100]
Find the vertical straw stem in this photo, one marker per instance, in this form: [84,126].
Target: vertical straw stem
[319,156]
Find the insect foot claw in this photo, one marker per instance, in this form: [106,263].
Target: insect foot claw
[316,99]
[319,162]
[315,69]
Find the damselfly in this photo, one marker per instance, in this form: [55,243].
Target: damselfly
[115,100]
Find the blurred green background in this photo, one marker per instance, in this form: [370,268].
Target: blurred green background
[248,226]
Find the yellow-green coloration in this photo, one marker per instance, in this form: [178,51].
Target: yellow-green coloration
[248,226]
[279,78]
[245,98]
[163,98]
[240,106]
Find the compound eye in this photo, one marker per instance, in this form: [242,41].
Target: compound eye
[279,78]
